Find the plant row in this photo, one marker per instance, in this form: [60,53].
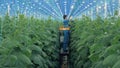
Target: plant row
[28,42]
[95,43]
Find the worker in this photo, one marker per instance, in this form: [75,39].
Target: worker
[66,33]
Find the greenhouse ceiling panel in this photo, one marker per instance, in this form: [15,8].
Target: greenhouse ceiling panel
[58,8]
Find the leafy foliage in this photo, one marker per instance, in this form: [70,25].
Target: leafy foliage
[29,43]
[95,43]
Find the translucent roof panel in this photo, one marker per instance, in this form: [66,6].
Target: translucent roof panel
[58,8]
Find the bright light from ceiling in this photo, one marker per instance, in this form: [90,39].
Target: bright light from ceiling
[99,7]
[72,6]
[36,0]
[83,2]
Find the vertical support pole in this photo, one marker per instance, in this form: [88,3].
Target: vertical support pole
[8,10]
[105,8]
[119,7]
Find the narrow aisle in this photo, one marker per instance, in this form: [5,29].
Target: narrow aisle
[64,47]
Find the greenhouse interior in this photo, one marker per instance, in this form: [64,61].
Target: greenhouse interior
[59,34]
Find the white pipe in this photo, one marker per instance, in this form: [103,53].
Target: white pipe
[119,7]
[91,13]
[8,9]
[105,8]
[97,10]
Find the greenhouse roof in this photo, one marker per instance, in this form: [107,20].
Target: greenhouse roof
[57,8]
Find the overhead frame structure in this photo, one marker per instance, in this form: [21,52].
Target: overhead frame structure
[57,8]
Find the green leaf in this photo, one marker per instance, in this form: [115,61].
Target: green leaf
[36,48]
[111,49]
[27,52]
[94,57]
[99,64]
[11,60]
[37,59]
[23,59]
[117,64]
[110,60]
[4,50]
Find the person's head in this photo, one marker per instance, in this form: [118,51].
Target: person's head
[64,17]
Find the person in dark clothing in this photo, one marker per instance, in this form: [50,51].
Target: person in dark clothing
[66,21]
[66,34]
